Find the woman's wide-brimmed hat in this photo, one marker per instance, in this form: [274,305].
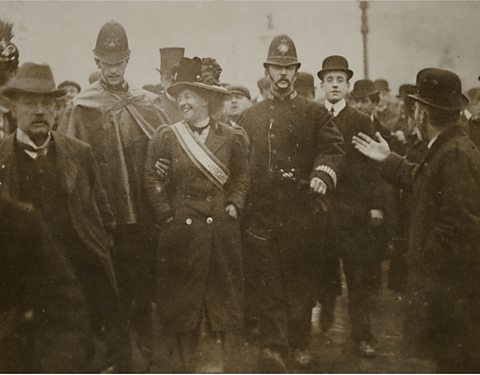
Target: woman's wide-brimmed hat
[441,89]
[188,75]
[33,78]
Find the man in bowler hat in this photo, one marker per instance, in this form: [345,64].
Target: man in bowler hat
[443,289]
[58,176]
[357,207]
[295,153]
[117,119]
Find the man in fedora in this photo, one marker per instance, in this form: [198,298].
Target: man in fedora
[57,175]
[357,207]
[117,119]
[443,289]
[169,58]
[296,151]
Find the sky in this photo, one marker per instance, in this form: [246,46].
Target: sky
[404,36]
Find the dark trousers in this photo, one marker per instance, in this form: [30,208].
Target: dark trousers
[265,279]
[134,259]
[105,315]
[354,244]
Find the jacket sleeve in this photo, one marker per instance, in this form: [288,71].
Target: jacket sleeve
[398,171]
[160,146]
[106,213]
[239,168]
[330,150]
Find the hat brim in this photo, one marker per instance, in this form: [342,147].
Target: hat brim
[462,103]
[322,72]
[282,62]
[202,88]
[14,92]
[356,96]
[112,57]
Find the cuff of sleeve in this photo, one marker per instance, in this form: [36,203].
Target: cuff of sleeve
[327,175]
[390,166]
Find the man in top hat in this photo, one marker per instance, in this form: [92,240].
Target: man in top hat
[117,119]
[304,85]
[236,103]
[295,154]
[169,58]
[443,290]
[58,176]
[357,208]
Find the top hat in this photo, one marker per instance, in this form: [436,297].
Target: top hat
[335,63]
[239,90]
[363,88]
[282,52]
[381,85]
[441,89]
[406,89]
[169,57]
[188,75]
[112,43]
[33,78]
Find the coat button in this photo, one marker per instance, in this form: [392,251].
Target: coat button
[189,221]
[209,220]
[209,198]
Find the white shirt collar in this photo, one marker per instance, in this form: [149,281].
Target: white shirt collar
[23,137]
[337,107]
[432,141]
[467,114]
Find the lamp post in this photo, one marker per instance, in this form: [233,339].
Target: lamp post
[364,30]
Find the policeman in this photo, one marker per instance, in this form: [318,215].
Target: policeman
[295,152]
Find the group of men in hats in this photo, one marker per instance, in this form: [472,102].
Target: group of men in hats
[314,178]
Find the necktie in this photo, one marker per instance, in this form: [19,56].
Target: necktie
[332,112]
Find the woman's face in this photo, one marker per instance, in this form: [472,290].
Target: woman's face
[192,105]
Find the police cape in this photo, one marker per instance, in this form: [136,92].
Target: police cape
[118,125]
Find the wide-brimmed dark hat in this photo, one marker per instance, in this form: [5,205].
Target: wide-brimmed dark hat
[112,43]
[363,88]
[406,89]
[335,63]
[188,75]
[169,57]
[441,89]
[282,52]
[33,78]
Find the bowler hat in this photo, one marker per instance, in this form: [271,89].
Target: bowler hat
[33,78]
[304,81]
[188,75]
[282,52]
[406,89]
[335,63]
[381,84]
[169,57]
[363,88]
[239,90]
[112,43]
[441,89]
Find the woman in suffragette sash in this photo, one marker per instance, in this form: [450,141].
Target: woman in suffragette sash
[198,202]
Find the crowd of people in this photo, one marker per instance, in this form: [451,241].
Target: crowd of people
[185,216]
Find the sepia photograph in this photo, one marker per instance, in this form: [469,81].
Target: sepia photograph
[220,186]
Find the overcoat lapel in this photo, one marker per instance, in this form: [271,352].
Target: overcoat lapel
[8,175]
[66,161]
[215,140]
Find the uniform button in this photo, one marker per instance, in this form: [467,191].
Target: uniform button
[272,135]
[209,220]
[189,221]
[209,198]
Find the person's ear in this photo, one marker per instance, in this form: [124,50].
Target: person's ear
[97,62]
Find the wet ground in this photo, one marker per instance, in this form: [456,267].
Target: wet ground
[334,352]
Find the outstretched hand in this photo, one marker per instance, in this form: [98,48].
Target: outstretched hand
[375,150]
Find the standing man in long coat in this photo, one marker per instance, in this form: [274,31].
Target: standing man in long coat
[442,303]
[295,151]
[117,120]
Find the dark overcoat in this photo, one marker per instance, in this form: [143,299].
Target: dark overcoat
[443,291]
[88,207]
[285,135]
[199,257]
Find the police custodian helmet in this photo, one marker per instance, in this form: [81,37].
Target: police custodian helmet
[282,52]
[112,43]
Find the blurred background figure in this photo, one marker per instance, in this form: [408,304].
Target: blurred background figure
[304,85]
[8,66]
[64,105]
[94,77]
[263,85]
[470,117]
[238,101]
[386,107]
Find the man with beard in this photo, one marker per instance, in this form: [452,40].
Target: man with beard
[117,120]
[295,151]
[443,289]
